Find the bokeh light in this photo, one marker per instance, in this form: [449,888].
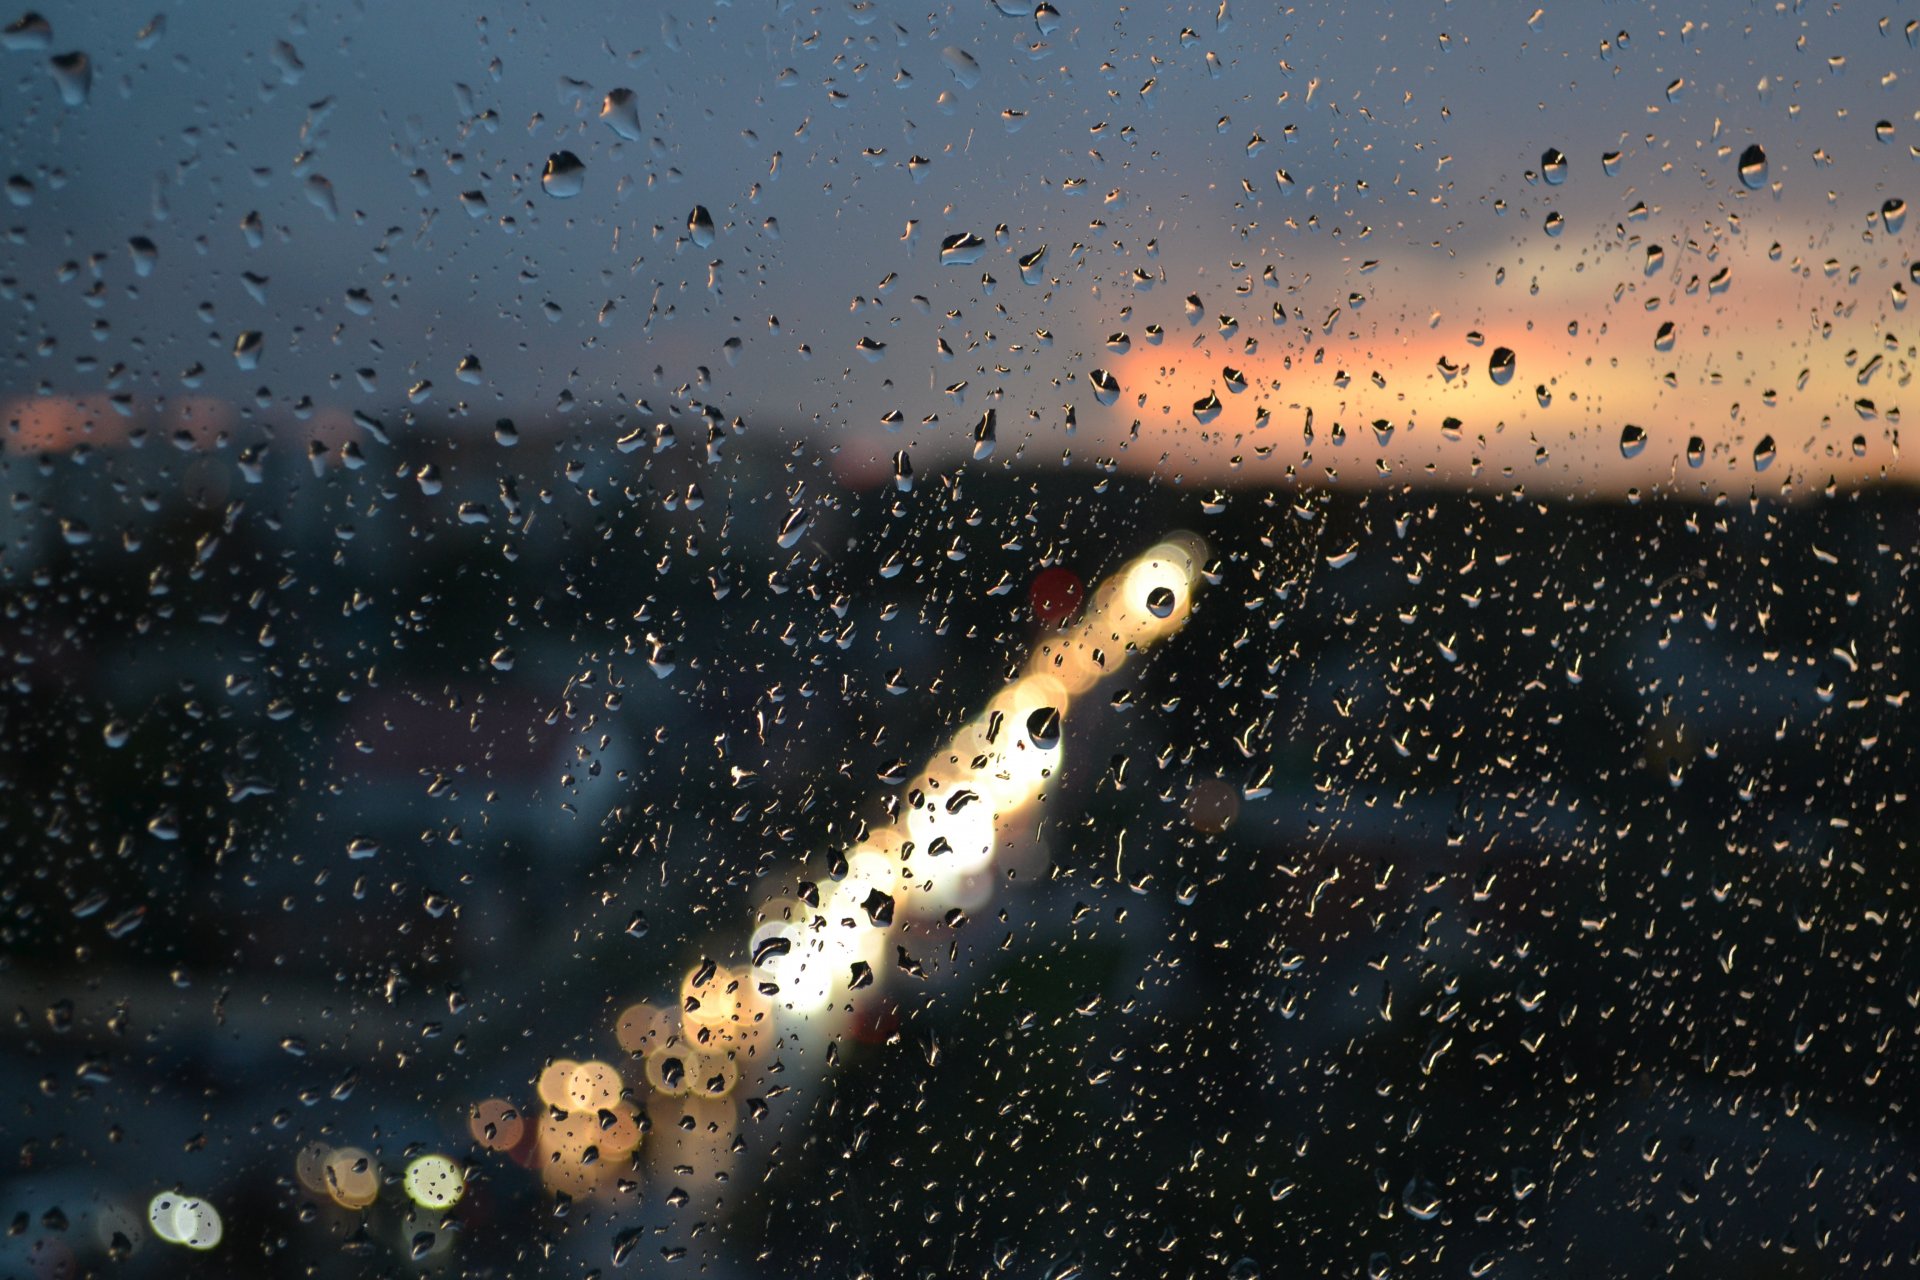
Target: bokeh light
[434,1182]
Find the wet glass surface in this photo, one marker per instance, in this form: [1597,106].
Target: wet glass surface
[1058,640]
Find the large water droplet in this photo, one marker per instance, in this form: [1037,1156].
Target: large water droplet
[961,249]
[1043,728]
[1553,166]
[621,113]
[700,226]
[73,72]
[564,175]
[1501,367]
[1753,167]
[26,33]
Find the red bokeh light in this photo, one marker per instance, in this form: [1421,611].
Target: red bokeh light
[1056,595]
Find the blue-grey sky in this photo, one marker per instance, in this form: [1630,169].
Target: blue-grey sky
[392,156]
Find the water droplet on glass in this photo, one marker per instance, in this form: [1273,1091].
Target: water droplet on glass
[700,226]
[797,523]
[1043,728]
[621,113]
[1753,167]
[1894,214]
[564,175]
[961,249]
[1553,166]
[1421,1199]
[26,33]
[1501,366]
[1632,440]
[247,348]
[73,72]
[983,437]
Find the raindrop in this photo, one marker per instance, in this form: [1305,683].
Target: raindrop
[1763,454]
[621,112]
[1501,367]
[1753,167]
[26,33]
[1031,266]
[1894,214]
[564,175]
[700,226]
[1553,166]
[961,249]
[144,254]
[1160,602]
[1043,728]
[1632,440]
[1696,451]
[983,437]
[73,72]
[1421,1199]
[247,348]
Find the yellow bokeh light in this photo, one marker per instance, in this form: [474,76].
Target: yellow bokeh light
[353,1178]
[434,1182]
[592,1087]
[496,1124]
[642,1026]
[553,1082]
[184,1220]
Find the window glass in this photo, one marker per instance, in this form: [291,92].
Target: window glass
[1054,640]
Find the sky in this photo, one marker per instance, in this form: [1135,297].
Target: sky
[269,217]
